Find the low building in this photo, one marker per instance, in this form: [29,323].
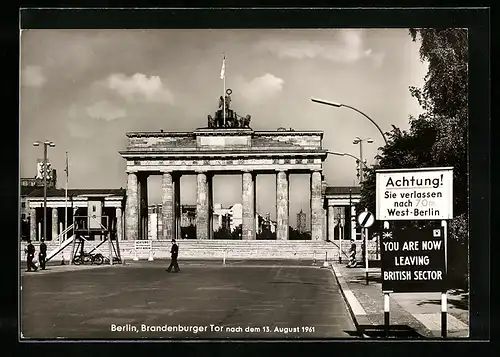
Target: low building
[340,206]
[88,208]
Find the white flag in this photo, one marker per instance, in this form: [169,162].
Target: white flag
[223,70]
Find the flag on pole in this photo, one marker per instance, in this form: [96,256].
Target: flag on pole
[67,166]
[223,69]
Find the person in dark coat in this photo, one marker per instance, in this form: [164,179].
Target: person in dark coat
[174,251]
[30,251]
[42,255]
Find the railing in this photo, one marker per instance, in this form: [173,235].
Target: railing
[64,232]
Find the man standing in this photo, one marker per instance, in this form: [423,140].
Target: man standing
[30,251]
[42,255]
[174,251]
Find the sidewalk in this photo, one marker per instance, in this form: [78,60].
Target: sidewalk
[412,315]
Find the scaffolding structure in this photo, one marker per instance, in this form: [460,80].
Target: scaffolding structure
[89,228]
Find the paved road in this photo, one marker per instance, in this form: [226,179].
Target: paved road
[276,299]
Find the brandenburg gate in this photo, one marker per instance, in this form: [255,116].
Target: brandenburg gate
[226,146]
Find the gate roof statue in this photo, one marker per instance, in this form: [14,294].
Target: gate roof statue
[225,117]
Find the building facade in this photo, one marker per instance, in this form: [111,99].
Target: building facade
[89,209]
[301,222]
[341,212]
[226,146]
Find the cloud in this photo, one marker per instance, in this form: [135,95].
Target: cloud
[78,130]
[260,88]
[105,110]
[346,47]
[32,76]
[140,87]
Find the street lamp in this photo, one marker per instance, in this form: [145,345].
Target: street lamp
[362,164]
[46,144]
[338,105]
[342,154]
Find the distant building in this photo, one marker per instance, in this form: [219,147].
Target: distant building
[228,218]
[188,215]
[301,221]
[266,224]
[155,223]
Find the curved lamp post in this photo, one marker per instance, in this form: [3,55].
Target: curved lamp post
[338,105]
[342,154]
[46,145]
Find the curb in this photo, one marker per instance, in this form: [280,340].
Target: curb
[358,314]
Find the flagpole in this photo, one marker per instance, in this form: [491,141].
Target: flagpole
[224,94]
[65,201]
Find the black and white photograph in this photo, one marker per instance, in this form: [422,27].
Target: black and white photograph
[197,184]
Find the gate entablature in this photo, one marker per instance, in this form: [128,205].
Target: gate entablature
[225,150]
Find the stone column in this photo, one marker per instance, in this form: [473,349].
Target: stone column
[324,223]
[331,222]
[33,236]
[176,178]
[119,230]
[282,205]
[55,223]
[143,204]
[316,206]
[248,205]
[256,213]
[210,192]
[201,206]
[353,222]
[167,206]
[132,208]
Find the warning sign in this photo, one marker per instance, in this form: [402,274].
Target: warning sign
[413,260]
[414,194]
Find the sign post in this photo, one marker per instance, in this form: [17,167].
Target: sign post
[142,246]
[415,259]
[365,220]
[340,237]
[387,301]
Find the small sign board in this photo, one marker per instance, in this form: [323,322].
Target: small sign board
[366,219]
[414,194]
[143,244]
[413,259]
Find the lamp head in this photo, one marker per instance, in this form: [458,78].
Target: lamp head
[356,141]
[52,145]
[47,142]
[333,104]
[36,143]
[369,141]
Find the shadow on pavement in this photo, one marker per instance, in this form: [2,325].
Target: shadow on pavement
[353,333]
[395,331]
[362,279]
[462,304]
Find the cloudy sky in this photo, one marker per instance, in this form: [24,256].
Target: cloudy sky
[84,89]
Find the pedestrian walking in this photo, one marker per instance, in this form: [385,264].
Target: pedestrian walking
[30,251]
[42,255]
[174,251]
